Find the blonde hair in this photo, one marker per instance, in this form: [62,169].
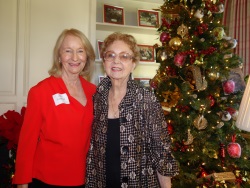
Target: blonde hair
[56,69]
[126,38]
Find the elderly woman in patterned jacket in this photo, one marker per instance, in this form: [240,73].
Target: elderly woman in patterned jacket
[130,145]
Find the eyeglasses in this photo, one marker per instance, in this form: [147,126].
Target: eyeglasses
[123,57]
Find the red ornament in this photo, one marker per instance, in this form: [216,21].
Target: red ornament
[165,23]
[231,110]
[170,128]
[233,148]
[154,84]
[164,37]
[179,59]
[212,100]
[228,87]
[222,153]
[170,71]
[203,173]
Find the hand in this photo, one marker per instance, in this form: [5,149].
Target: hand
[165,181]
[23,186]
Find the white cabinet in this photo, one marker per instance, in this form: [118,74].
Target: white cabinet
[143,35]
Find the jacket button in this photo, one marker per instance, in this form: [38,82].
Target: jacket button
[124,150]
[124,179]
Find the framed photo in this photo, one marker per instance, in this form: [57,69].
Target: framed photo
[113,14]
[99,47]
[144,82]
[147,53]
[148,18]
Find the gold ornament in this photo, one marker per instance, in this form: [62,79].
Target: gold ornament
[213,75]
[182,30]
[189,139]
[170,98]
[200,122]
[175,43]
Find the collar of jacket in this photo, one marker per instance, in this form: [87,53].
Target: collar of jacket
[132,90]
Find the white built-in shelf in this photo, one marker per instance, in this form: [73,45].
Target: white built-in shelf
[128,28]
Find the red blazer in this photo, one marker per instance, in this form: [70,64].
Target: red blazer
[55,135]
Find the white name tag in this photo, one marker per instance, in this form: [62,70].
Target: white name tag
[60,99]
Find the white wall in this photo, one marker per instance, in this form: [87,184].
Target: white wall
[29,29]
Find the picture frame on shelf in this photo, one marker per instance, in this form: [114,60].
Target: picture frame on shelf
[144,82]
[99,47]
[113,14]
[148,18]
[147,53]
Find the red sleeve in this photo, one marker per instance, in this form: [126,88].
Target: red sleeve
[28,138]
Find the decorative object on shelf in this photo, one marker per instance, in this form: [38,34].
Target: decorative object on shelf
[147,53]
[99,47]
[143,82]
[113,14]
[148,18]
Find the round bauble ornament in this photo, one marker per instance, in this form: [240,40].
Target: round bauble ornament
[179,59]
[199,13]
[175,43]
[164,37]
[219,33]
[228,87]
[161,54]
[200,122]
[213,75]
[233,148]
[153,84]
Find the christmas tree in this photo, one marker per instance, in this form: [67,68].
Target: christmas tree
[200,85]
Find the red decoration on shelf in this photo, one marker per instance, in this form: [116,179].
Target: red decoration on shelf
[233,148]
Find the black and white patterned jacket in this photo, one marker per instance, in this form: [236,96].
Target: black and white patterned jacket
[144,141]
